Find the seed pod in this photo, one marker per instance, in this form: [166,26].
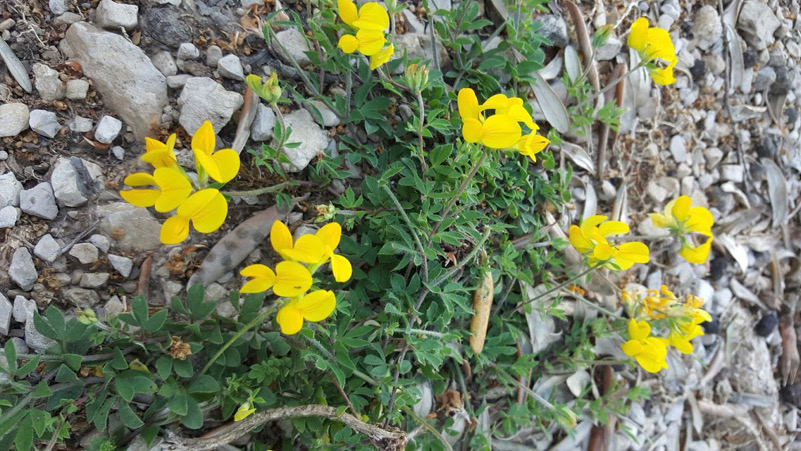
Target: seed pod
[482,304]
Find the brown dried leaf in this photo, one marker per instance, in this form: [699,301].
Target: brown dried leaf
[482,304]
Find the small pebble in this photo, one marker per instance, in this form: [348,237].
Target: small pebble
[766,324]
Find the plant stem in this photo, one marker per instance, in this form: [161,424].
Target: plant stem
[459,192]
[642,237]
[412,229]
[265,190]
[256,321]
[609,85]
[330,357]
[306,80]
[421,106]
[558,287]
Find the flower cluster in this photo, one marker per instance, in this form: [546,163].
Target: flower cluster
[590,238]
[681,318]
[369,23]
[501,130]
[291,279]
[656,50]
[682,220]
[170,188]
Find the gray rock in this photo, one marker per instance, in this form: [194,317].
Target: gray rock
[119,152]
[553,28]
[678,149]
[165,63]
[295,44]
[204,99]
[20,345]
[81,297]
[188,51]
[311,137]
[10,190]
[123,75]
[263,123]
[758,23]
[13,64]
[85,253]
[13,119]
[94,280]
[229,66]
[765,77]
[713,157]
[213,55]
[23,309]
[707,25]
[100,241]
[48,84]
[77,89]
[133,228]
[123,265]
[177,81]
[68,18]
[8,217]
[47,248]
[107,129]
[81,124]
[609,50]
[58,7]
[33,338]
[413,24]
[68,186]
[330,118]
[3,155]
[732,172]
[39,201]
[114,307]
[7,24]
[44,123]
[113,16]
[417,46]
[6,310]
[22,270]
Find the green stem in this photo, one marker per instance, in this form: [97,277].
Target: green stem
[412,229]
[422,107]
[610,85]
[306,80]
[256,321]
[478,247]
[559,287]
[330,357]
[459,191]
[265,190]
[428,427]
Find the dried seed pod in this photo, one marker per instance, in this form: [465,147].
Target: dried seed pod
[482,304]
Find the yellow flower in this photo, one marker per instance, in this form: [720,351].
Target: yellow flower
[289,279]
[315,306]
[160,154]
[680,336]
[173,189]
[371,16]
[680,219]
[532,144]
[501,130]
[655,48]
[222,165]
[381,57]
[315,249]
[206,210]
[650,352]
[368,42]
[590,239]
[510,106]
[244,411]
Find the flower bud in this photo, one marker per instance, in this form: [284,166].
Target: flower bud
[416,77]
[270,90]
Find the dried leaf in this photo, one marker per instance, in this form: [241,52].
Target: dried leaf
[550,104]
[590,201]
[737,64]
[583,37]
[540,327]
[697,417]
[741,292]
[552,69]
[572,63]
[735,250]
[15,66]
[620,207]
[789,360]
[578,155]
[482,304]
[777,190]
[577,382]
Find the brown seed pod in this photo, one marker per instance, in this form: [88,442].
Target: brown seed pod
[482,304]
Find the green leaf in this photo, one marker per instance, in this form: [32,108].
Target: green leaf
[204,384]
[42,390]
[156,322]
[197,307]
[101,417]
[128,417]
[194,417]
[164,367]
[118,362]
[44,327]
[24,437]
[178,404]
[183,368]
[29,367]
[440,153]
[11,356]
[40,420]
[73,361]
[178,306]
[139,309]
[65,374]
[124,388]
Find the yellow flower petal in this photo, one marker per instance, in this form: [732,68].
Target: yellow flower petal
[500,132]
[659,220]
[632,348]
[697,255]
[521,115]
[681,208]
[174,230]
[280,238]
[308,249]
[160,158]
[341,268]
[242,413]
[347,11]
[257,270]
[468,105]
[634,251]
[317,305]
[140,179]
[227,162]
[496,102]
[700,220]
[472,130]
[381,57]
[141,197]
[290,319]
[330,234]
[206,208]
[532,144]
[372,16]
[639,330]
[588,224]
[292,279]
[680,342]
[613,228]
[204,139]
[263,278]
[370,42]
[348,43]
[175,188]
[579,240]
[638,34]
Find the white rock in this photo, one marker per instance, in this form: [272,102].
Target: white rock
[249,3]
[13,119]
[81,297]
[123,265]
[229,66]
[84,252]
[330,118]
[100,241]
[311,137]
[165,63]
[713,157]
[23,308]
[122,74]
[6,310]
[10,190]
[8,217]
[263,123]
[188,51]
[77,89]
[417,46]
[133,228]
[678,149]
[58,7]
[81,124]
[107,129]
[68,18]
[113,16]
[22,270]
[119,152]
[213,55]
[706,24]
[44,123]
[204,99]
[48,84]
[47,248]
[7,24]
[39,201]
[295,44]
[114,307]
[68,186]
[758,23]
[94,280]
[732,172]
[177,81]
[609,50]
[413,24]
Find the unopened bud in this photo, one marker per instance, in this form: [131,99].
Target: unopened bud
[416,77]
[270,90]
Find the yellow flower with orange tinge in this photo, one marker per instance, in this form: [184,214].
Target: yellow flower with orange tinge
[682,220]
[650,352]
[222,165]
[160,154]
[315,306]
[656,50]
[590,238]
